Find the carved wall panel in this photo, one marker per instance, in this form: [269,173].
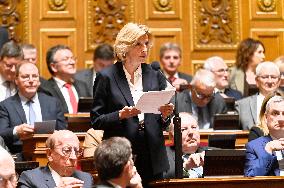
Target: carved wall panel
[161,36]
[216,24]
[51,37]
[10,16]
[272,40]
[57,9]
[104,20]
[163,9]
[263,9]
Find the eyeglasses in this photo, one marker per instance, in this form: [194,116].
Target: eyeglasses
[202,96]
[67,151]
[67,59]
[30,59]
[222,70]
[272,77]
[27,77]
[13,179]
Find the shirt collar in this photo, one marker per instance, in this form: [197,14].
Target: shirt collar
[59,82]
[137,73]
[167,75]
[56,177]
[25,100]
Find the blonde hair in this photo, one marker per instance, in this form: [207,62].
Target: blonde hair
[127,37]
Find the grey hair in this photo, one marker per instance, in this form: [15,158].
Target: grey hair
[274,99]
[267,65]
[210,62]
[169,46]
[205,77]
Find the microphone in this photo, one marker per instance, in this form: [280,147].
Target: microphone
[177,128]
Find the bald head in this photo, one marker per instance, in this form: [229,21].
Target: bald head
[58,138]
[7,169]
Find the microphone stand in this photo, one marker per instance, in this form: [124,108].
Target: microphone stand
[177,136]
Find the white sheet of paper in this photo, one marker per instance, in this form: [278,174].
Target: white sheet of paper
[45,127]
[151,101]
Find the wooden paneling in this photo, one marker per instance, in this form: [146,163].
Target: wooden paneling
[203,28]
[272,40]
[161,36]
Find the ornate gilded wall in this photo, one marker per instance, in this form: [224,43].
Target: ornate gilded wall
[202,27]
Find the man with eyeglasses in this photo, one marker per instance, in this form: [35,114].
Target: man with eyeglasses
[193,155]
[265,155]
[62,152]
[114,162]
[200,99]
[10,55]
[61,64]
[8,175]
[19,112]
[267,81]
[219,68]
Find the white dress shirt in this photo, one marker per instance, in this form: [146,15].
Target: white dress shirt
[136,89]
[259,101]
[64,91]
[3,88]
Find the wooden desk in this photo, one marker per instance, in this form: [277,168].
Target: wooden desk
[34,149]
[80,122]
[242,137]
[230,182]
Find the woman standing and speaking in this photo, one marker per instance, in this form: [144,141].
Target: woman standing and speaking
[116,91]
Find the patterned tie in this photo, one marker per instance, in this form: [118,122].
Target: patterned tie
[8,89]
[72,97]
[32,114]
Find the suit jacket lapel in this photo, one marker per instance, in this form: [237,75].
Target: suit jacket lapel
[49,181]
[146,78]
[19,108]
[253,108]
[122,83]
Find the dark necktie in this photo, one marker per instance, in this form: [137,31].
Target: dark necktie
[32,114]
[73,100]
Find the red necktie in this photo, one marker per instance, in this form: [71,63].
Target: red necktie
[172,79]
[72,97]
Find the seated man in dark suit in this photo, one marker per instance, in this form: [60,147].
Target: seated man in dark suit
[114,162]
[170,58]
[219,68]
[19,112]
[102,58]
[193,155]
[264,155]
[62,66]
[62,154]
[200,99]
[8,177]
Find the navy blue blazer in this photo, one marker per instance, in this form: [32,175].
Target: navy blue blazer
[258,161]
[41,177]
[12,114]
[233,93]
[111,94]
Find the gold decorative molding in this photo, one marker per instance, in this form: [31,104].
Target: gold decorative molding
[163,5]
[9,16]
[26,23]
[105,18]
[57,5]
[216,24]
[266,5]
[198,64]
